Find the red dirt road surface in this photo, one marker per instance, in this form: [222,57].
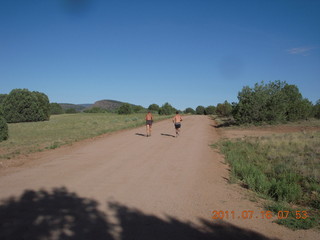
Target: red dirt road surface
[127,186]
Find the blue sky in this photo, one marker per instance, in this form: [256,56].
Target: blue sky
[185,52]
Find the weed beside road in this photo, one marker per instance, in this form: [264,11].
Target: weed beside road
[284,168]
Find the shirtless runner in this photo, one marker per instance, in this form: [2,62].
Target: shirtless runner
[149,121]
[177,119]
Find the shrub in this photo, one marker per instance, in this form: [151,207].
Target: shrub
[138,108]
[56,109]
[125,108]
[224,109]
[210,110]
[43,106]
[190,110]
[316,109]
[167,109]
[200,110]
[71,110]
[154,107]
[273,102]
[21,105]
[3,129]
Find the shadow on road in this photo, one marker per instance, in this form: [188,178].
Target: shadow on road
[167,135]
[141,134]
[59,214]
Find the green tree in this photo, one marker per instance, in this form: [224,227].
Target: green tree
[190,111]
[224,109]
[125,108]
[21,105]
[167,109]
[71,111]
[43,106]
[3,129]
[210,110]
[200,110]
[138,108]
[2,98]
[273,102]
[316,109]
[55,109]
[154,107]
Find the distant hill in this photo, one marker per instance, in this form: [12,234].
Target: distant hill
[109,105]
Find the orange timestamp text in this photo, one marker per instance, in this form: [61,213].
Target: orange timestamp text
[248,214]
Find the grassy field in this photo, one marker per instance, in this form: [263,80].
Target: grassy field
[283,168]
[25,138]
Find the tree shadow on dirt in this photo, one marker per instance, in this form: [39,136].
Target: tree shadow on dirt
[137,225]
[59,214]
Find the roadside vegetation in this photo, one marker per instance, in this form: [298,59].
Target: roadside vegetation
[65,129]
[283,168]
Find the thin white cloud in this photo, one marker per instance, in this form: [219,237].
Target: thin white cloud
[304,51]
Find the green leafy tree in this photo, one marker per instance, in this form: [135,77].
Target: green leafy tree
[210,110]
[21,105]
[3,129]
[273,102]
[138,108]
[55,109]
[2,97]
[71,111]
[316,109]
[200,110]
[167,109]
[224,109]
[190,111]
[125,108]
[154,107]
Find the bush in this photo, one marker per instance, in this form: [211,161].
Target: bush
[167,109]
[138,109]
[224,109]
[71,111]
[210,110]
[21,105]
[154,107]
[200,110]
[125,108]
[190,111]
[3,129]
[271,103]
[56,109]
[316,110]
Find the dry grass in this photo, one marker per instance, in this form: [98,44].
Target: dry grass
[25,138]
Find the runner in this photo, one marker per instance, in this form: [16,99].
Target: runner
[177,123]
[149,121]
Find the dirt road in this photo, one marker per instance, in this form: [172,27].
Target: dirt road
[127,186]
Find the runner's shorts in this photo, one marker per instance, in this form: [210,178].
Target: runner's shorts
[149,122]
[177,125]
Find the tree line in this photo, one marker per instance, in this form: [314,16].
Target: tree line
[271,102]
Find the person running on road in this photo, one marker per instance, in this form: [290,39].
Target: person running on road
[149,121]
[177,119]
